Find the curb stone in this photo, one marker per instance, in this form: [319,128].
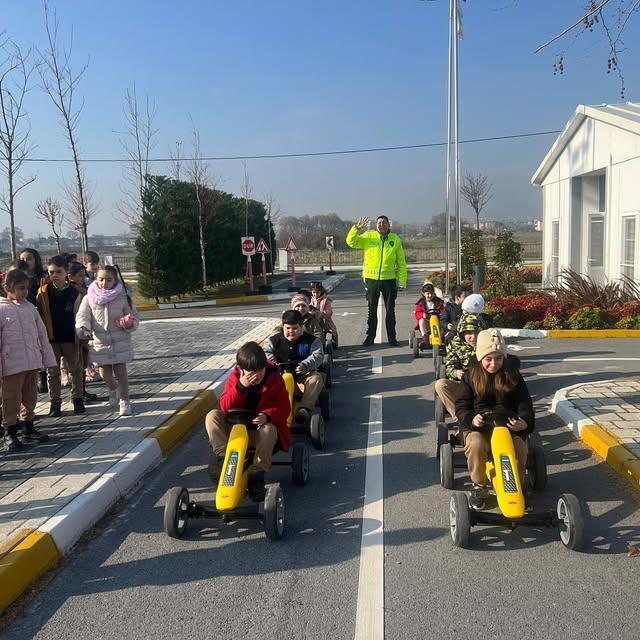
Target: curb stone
[624,462]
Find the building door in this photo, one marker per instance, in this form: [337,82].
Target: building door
[595,255]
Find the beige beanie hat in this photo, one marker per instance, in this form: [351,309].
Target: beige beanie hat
[490,341]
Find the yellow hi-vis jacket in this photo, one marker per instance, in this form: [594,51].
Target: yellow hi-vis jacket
[383,256]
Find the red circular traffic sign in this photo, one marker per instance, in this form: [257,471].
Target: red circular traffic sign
[248,246]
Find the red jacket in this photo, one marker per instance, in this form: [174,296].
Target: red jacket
[273,400]
[421,311]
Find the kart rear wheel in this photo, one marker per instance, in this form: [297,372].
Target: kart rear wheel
[176,512]
[273,518]
[459,519]
[316,431]
[446,466]
[300,464]
[571,523]
[328,373]
[436,357]
[416,347]
[443,436]
[439,409]
[412,337]
[440,372]
[325,404]
[537,469]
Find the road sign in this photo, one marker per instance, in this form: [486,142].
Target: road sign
[329,242]
[291,245]
[262,247]
[248,245]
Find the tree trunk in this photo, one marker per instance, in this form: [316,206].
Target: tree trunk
[58,244]
[202,252]
[12,222]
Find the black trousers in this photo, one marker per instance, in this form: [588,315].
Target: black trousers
[389,291]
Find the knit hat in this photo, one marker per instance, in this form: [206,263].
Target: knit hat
[468,322]
[490,341]
[473,303]
[299,298]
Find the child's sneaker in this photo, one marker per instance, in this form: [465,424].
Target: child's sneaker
[125,408]
[476,497]
[31,434]
[55,411]
[114,398]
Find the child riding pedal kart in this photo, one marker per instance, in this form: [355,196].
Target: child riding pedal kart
[426,332]
[302,356]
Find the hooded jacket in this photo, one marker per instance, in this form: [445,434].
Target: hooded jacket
[271,399]
[383,255]
[24,342]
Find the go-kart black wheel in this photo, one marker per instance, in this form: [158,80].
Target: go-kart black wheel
[316,430]
[571,523]
[325,404]
[439,409]
[412,337]
[328,349]
[416,347]
[441,373]
[436,357]
[459,519]
[176,512]
[446,466]
[273,518]
[214,469]
[327,368]
[443,436]
[300,464]
[537,468]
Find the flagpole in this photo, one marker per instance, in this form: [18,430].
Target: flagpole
[448,184]
[456,145]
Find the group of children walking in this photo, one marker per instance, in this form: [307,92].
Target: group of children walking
[60,320]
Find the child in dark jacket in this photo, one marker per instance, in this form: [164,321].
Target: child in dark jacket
[256,385]
[428,304]
[493,383]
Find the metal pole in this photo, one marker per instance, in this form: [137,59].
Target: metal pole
[456,145]
[448,184]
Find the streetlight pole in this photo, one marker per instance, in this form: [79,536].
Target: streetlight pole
[448,183]
[456,142]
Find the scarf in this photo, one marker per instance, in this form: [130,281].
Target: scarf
[104,296]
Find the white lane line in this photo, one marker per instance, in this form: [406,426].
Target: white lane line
[370,603]
[558,374]
[581,360]
[378,339]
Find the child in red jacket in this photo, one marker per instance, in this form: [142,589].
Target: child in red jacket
[427,305]
[257,385]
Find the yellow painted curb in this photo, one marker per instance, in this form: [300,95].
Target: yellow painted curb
[613,452]
[174,429]
[241,300]
[593,333]
[24,563]
[148,307]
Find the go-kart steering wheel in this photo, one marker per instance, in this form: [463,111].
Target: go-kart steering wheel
[496,417]
[241,416]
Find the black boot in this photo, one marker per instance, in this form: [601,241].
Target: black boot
[90,397]
[43,387]
[214,468]
[31,434]
[11,440]
[55,409]
[78,406]
[256,488]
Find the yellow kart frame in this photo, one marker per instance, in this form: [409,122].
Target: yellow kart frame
[435,340]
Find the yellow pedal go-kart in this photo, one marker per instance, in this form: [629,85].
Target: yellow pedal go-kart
[506,485]
[435,340]
[231,501]
[314,427]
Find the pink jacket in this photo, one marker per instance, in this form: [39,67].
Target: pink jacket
[323,304]
[24,343]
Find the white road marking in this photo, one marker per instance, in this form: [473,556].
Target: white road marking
[560,374]
[519,347]
[378,339]
[349,313]
[582,360]
[370,603]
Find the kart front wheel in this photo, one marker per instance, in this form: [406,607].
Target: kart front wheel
[459,519]
[446,466]
[325,404]
[316,430]
[416,347]
[412,337]
[176,512]
[300,464]
[537,469]
[443,437]
[571,523]
[273,518]
[439,409]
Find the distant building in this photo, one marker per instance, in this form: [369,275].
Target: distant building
[491,226]
[590,194]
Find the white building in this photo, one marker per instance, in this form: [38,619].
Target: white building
[590,183]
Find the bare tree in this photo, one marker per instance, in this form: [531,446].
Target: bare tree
[246,194]
[177,160]
[15,71]
[476,190]
[60,82]
[273,214]
[137,143]
[51,210]
[206,195]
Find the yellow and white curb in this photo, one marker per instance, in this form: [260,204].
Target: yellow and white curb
[624,462]
[562,334]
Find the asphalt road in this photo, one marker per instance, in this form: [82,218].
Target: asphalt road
[228,581]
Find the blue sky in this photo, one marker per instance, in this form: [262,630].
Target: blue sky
[276,76]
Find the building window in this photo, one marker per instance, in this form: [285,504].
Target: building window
[555,250]
[602,193]
[627,266]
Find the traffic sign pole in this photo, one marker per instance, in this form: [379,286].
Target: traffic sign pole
[329,245]
[250,273]
[264,270]
[293,269]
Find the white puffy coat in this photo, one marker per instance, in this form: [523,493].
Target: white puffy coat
[110,344]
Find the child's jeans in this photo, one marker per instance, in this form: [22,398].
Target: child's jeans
[262,440]
[71,353]
[476,448]
[19,389]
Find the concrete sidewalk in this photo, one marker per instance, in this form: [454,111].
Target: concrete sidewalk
[606,416]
